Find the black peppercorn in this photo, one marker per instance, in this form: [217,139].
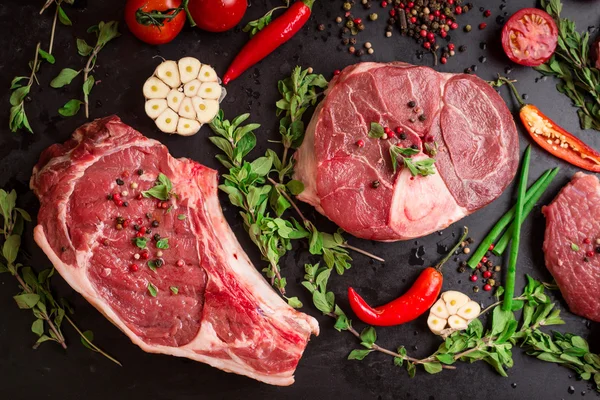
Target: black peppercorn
[120,182]
[412,103]
[109,197]
[360,52]
[63,249]
[468,71]
[375,184]
[414,146]
[149,231]
[156,237]
[483,45]
[462,48]
[403,137]
[353,41]
[159,262]
[461,269]
[136,227]
[598,249]
[125,204]
[120,220]
[140,172]
[321,27]
[155,224]
[422,117]
[482,59]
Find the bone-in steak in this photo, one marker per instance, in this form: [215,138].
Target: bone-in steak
[475,133]
[572,230]
[201,298]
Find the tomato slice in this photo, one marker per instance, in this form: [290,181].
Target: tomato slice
[558,141]
[529,37]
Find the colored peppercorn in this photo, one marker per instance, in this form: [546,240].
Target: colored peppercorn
[473,278]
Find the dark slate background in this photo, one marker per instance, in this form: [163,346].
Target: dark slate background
[323,372]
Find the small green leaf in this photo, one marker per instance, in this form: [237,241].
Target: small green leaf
[63,17]
[38,327]
[64,77]
[261,166]
[16,82]
[433,367]
[83,48]
[89,335]
[141,242]
[181,217]
[341,323]
[18,95]
[88,85]
[581,343]
[174,289]
[10,249]
[376,131]
[446,358]
[162,243]
[152,289]
[294,302]
[27,301]
[368,335]
[70,108]
[108,32]
[46,56]
[295,187]
[574,247]
[358,354]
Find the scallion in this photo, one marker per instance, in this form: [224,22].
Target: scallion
[529,204]
[509,282]
[539,186]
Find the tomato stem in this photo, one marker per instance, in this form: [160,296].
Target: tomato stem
[184,5]
[156,17]
[451,252]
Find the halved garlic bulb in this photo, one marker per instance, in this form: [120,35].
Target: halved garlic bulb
[188,89]
[452,312]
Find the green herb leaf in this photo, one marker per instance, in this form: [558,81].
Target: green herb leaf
[89,335]
[27,301]
[141,242]
[433,367]
[64,77]
[38,327]
[358,354]
[368,335]
[181,217]
[174,289]
[108,32]
[294,302]
[88,85]
[16,82]
[152,265]
[63,17]
[295,187]
[376,131]
[19,95]
[574,247]
[10,249]
[447,359]
[46,56]
[162,243]
[83,48]
[152,290]
[71,108]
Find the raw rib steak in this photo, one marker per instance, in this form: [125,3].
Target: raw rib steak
[202,298]
[571,218]
[355,187]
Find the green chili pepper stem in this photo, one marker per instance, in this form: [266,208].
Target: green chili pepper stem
[509,281]
[502,244]
[539,185]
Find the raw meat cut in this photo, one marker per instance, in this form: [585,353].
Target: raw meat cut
[202,298]
[477,157]
[571,218]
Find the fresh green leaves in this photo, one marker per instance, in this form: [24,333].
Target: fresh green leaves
[574,247]
[235,140]
[70,108]
[174,289]
[162,189]
[46,56]
[83,48]
[572,64]
[376,131]
[141,242]
[257,25]
[65,77]
[298,93]
[162,243]
[21,87]
[152,290]
[422,167]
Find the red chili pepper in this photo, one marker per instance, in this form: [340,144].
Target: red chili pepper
[270,38]
[416,301]
[555,139]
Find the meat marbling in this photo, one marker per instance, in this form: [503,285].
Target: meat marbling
[573,216]
[225,314]
[478,150]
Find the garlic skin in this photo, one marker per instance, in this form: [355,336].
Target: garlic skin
[182,95]
[452,312]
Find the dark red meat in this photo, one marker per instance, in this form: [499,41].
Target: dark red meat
[224,313]
[571,218]
[477,150]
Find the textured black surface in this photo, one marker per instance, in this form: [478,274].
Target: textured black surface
[323,372]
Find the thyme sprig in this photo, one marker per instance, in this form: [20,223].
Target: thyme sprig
[35,291]
[571,63]
[105,32]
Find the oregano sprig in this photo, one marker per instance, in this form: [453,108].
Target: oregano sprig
[105,32]
[35,292]
[257,25]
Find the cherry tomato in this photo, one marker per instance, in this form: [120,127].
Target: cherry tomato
[217,15]
[529,37]
[155,21]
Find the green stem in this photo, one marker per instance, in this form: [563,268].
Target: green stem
[451,252]
[516,237]
[92,345]
[502,244]
[513,89]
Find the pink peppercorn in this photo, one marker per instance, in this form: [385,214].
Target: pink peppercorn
[384,4]
[134,267]
[443,60]
[487,287]
[180,263]
[482,25]
[487,13]
[473,278]
[487,274]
